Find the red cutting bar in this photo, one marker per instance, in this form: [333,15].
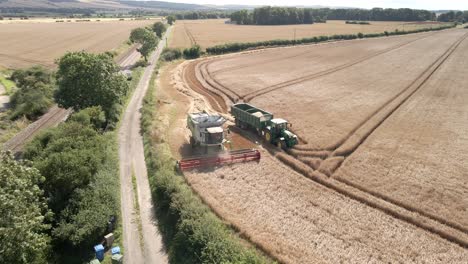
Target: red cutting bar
[231,157]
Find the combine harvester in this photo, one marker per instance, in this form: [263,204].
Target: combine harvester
[207,133]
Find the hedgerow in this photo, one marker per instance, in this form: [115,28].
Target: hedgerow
[236,47]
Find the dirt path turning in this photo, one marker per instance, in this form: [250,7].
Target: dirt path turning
[142,240]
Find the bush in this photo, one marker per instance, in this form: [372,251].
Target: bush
[192,52]
[358,22]
[80,167]
[170,54]
[34,94]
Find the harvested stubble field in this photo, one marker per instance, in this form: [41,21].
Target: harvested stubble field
[383,129]
[211,32]
[25,44]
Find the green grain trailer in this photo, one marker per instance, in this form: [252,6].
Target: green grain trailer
[273,130]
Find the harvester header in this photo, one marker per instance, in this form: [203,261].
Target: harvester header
[236,156]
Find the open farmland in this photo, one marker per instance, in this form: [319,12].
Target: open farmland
[25,44]
[210,32]
[382,157]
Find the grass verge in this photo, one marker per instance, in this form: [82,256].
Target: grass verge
[9,85]
[136,206]
[191,232]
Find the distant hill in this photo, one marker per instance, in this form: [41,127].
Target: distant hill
[160,5]
[99,4]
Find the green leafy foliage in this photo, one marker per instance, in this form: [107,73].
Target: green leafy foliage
[80,169]
[91,116]
[146,39]
[171,19]
[268,15]
[357,22]
[192,52]
[454,16]
[34,95]
[68,157]
[170,54]
[159,28]
[193,234]
[23,211]
[236,47]
[86,80]
[202,14]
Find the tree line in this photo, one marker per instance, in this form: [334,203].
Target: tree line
[454,16]
[200,15]
[290,15]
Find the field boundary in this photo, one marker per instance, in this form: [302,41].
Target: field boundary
[242,46]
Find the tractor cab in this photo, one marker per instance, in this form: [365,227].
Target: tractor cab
[280,135]
[279,124]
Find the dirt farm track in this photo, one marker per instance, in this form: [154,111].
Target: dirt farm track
[381,172]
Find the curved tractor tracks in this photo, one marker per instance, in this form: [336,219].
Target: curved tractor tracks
[319,165]
[235,97]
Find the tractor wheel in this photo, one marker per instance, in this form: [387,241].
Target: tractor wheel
[283,145]
[267,136]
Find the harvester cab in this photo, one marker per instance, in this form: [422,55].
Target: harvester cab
[206,130]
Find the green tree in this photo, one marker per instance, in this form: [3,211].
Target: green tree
[35,92]
[91,116]
[192,52]
[68,157]
[86,80]
[171,19]
[146,39]
[159,28]
[23,211]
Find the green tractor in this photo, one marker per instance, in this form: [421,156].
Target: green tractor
[273,130]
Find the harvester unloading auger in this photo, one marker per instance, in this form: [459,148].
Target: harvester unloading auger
[207,133]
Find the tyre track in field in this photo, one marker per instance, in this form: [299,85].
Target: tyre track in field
[447,230]
[358,136]
[215,100]
[235,97]
[348,42]
[248,97]
[189,35]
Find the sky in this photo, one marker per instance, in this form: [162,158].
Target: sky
[417,4]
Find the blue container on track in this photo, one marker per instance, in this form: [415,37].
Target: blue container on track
[99,249]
